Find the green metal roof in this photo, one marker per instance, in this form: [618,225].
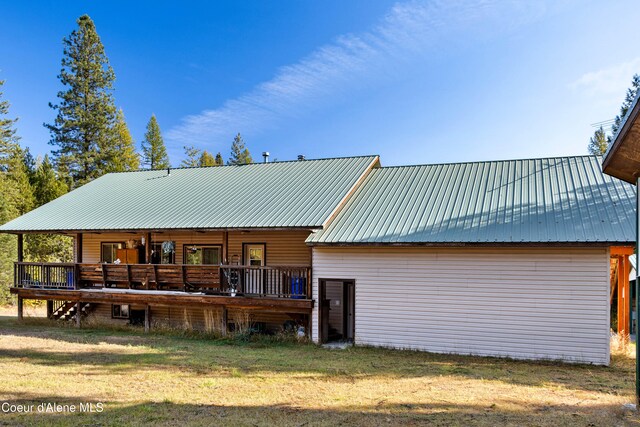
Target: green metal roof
[565,199]
[297,194]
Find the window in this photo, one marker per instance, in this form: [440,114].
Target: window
[108,251]
[202,254]
[254,254]
[159,257]
[120,311]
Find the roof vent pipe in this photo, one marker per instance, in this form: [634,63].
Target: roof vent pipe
[168,171]
[265,155]
[301,157]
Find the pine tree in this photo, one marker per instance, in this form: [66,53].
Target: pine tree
[83,131]
[219,160]
[154,153]
[13,162]
[126,158]
[46,184]
[626,104]
[193,155]
[206,159]
[598,143]
[239,153]
[8,138]
[18,177]
[48,247]
[16,196]
[8,243]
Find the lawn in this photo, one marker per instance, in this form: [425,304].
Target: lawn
[172,379]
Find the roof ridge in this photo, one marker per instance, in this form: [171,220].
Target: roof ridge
[248,164]
[490,161]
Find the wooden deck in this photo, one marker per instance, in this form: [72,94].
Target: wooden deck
[272,288]
[290,282]
[166,298]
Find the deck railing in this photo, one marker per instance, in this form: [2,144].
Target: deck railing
[262,281]
[44,275]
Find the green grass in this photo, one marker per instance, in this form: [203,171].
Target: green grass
[173,379]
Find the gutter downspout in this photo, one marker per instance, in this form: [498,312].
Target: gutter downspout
[637,308]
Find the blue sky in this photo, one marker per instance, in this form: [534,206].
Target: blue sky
[416,81]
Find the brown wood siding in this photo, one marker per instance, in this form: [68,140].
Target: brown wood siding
[283,247]
[544,303]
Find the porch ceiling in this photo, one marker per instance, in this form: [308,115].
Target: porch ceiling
[622,160]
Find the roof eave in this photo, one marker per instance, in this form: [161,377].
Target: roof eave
[622,159]
[473,244]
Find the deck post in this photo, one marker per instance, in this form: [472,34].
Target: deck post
[637,307]
[49,309]
[20,307]
[147,318]
[225,321]
[147,249]
[225,243]
[20,248]
[78,254]
[78,313]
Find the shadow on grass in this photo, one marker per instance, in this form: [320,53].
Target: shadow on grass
[439,414]
[201,356]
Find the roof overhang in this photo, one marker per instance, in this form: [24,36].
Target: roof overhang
[470,244]
[622,160]
[164,230]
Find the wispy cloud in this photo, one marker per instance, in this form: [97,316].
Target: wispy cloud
[406,33]
[608,83]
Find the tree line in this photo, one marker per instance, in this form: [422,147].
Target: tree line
[89,137]
[600,141]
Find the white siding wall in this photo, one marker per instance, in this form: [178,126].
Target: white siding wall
[521,303]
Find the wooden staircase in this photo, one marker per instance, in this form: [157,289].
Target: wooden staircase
[66,310]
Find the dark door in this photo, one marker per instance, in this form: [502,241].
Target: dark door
[337,310]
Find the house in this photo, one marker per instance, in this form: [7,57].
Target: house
[501,258]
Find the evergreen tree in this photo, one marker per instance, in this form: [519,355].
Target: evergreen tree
[46,184]
[126,158]
[599,143]
[193,155]
[154,153]
[13,162]
[16,196]
[48,247]
[239,153]
[206,159]
[18,177]
[83,131]
[219,160]
[626,104]
[8,242]
[8,138]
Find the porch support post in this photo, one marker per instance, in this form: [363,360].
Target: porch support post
[78,313]
[147,318]
[20,248]
[622,293]
[225,321]
[637,308]
[225,242]
[20,307]
[49,309]
[78,254]
[147,249]
[626,295]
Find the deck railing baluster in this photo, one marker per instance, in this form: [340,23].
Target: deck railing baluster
[259,281]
